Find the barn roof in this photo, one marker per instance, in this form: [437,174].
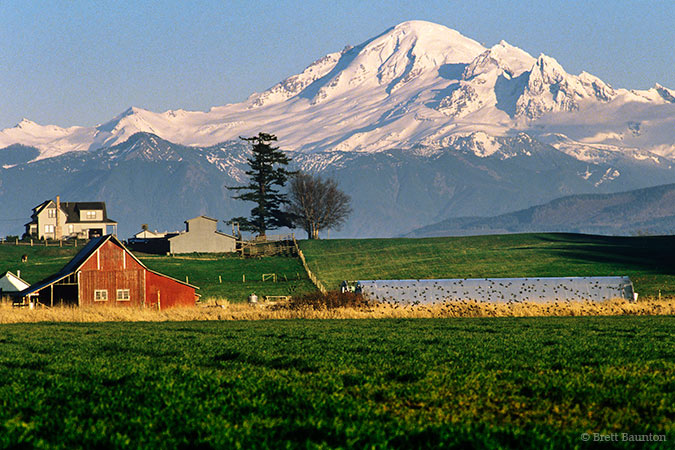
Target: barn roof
[78,261]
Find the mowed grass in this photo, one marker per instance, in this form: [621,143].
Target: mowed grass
[201,270]
[42,261]
[648,260]
[239,277]
[424,383]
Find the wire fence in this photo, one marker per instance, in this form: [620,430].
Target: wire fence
[319,285]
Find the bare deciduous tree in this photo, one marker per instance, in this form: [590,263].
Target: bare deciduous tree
[317,204]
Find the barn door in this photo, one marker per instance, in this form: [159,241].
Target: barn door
[154,301]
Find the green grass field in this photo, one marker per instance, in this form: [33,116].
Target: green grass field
[42,261]
[647,260]
[438,383]
[201,270]
[204,270]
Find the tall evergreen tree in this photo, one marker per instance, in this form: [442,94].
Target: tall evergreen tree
[267,175]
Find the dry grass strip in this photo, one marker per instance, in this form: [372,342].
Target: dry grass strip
[223,310]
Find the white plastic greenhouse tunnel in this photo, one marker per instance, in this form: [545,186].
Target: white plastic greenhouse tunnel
[494,290]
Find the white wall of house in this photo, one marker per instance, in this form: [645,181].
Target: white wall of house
[91,215]
[46,228]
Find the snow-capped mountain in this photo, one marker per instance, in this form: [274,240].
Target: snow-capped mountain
[417,84]
[417,125]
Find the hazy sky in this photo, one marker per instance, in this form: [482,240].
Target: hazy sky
[82,62]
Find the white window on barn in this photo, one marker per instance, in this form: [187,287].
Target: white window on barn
[90,215]
[123,295]
[49,228]
[100,295]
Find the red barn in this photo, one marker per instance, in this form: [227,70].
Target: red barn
[105,273]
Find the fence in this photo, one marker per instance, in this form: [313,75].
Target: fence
[319,285]
[270,245]
[41,243]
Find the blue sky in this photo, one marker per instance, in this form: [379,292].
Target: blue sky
[81,62]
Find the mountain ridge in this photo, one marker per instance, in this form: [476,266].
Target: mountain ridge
[640,211]
[147,179]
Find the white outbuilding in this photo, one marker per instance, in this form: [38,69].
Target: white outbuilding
[495,290]
[11,285]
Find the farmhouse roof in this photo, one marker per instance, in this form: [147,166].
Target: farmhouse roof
[78,261]
[72,210]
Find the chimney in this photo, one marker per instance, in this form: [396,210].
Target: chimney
[57,228]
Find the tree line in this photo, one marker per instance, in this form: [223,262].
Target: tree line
[312,203]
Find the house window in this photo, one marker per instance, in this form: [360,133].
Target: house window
[51,213]
[49,228]
[90,215]
[71,229]
[123,295]
[100,295]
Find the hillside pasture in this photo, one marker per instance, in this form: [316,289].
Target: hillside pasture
[238,277]
[227,276]
[647,260]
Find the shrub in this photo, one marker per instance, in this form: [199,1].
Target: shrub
[329,300]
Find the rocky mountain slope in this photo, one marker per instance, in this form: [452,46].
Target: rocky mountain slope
[149,180]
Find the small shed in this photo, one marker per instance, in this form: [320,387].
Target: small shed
[495,290]
[105,273]
[149,234]
[202,236]
[11,285]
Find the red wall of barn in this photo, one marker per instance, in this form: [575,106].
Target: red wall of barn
[106,270]
[171,292]
[111,268]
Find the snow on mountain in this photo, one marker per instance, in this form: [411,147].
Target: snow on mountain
[416,86]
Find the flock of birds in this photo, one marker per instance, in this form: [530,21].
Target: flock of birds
[497,290]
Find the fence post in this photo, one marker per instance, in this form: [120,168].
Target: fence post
[319,285]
